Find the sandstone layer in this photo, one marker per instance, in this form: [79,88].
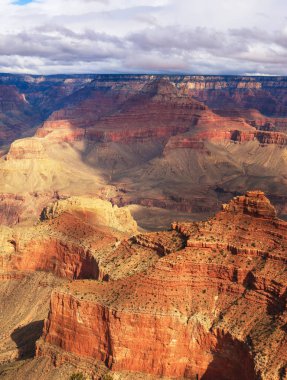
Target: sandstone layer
[72,239]
[213,305]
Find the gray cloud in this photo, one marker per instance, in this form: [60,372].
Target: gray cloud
[63,45]
[160,36]
[178,38]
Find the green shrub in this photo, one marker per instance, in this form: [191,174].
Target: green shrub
[78,376]
[107,377]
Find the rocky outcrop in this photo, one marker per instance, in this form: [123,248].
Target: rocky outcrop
[26,149]
[162,242]
[95,212]
[182,348]
[153,111]
[201,310]
[254,203]
[10,208]
[265,137]
[70,241]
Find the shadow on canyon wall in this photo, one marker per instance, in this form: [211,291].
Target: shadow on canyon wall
[25,338]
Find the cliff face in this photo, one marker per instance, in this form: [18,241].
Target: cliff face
[150,127]
[229,92]
[71,241]
[129,113]
[16,114]
[169,346]
[254,203]
[214,301]
[134,108]
[75,238]
[265,137]
[26,100]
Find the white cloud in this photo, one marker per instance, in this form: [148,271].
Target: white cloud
[48,36]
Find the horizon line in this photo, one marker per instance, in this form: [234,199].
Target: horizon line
[145,74]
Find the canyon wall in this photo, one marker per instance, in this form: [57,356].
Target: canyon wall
[201,310]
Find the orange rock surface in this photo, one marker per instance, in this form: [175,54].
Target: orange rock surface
[203,297]
[215,307]
[70,239]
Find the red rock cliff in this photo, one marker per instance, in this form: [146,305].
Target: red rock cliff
[200,311]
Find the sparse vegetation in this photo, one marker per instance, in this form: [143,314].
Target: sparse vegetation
[107,376]
[78,376]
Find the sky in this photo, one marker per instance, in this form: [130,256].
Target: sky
[144,36]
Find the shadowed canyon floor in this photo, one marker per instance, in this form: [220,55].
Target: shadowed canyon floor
[204,297]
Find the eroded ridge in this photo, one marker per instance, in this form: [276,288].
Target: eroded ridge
[213,308]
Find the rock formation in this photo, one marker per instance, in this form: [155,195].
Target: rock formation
[213,305]
[254,203]
[93,211]
[204,297]
[26,149]
[149,113]
[149,127]
[223,93]
[69,240]
[26,100]
[197,133]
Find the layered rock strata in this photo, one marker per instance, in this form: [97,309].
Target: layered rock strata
[201,311]
[72,239]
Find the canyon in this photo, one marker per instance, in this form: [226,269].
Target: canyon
[143,227]
[204,296]
[178,144]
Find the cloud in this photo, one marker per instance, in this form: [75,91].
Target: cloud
[49,36]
